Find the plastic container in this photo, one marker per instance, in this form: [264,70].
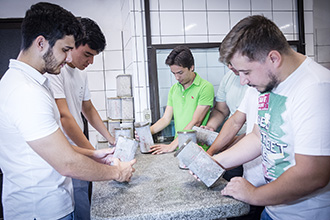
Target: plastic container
[127,108]
[200,163]
[126,132]
[124,85]
[205,136]
[114,108]
[112,124]
[184,136]
[125,148]
[145,136]
[128,123]
[100,138]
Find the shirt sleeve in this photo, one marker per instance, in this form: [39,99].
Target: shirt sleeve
[221,94]
[34,114]
[56,84]
[87,94]
[311,121]
[206,95]
[244,103]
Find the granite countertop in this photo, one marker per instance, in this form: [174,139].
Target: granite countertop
[160,190]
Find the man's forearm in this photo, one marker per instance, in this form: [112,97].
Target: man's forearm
[225,137]
[73,164]
[159,126]
[163,122]
[198,116]
[248,148]
[95,120]
[87,152]
[75,133]
[216,119]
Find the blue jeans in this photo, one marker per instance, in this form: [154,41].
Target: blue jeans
[265,216]
[68,217]
[81,199]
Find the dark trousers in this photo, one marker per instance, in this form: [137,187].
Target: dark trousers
[238,171]
[254,214]
[255,211]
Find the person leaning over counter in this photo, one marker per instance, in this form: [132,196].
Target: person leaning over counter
[228,98]
[293,124]
[36,159]
[189,100]
[72,96]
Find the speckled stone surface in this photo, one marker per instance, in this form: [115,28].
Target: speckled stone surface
[160,190]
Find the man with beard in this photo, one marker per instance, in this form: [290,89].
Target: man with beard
[36,159]
[72,96]
[293,123]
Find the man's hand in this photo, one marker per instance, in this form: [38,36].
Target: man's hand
[161,148]
[125,169]
[207,128]
[240,189]
[112,141]
[194,175]
[137,137]
[104,155]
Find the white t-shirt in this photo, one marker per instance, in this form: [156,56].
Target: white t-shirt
[232,92]
[31,187]
[72,85]
[252,171]
[294,119]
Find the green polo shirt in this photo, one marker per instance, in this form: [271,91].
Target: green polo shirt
[185,102]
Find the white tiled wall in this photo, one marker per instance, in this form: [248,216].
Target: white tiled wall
[203,21]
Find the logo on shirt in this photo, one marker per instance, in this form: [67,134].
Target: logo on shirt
[263,102]
[192,97]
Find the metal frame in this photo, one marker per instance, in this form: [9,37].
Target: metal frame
[11,23]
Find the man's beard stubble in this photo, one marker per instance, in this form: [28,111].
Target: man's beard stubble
[273,83]
[50,62]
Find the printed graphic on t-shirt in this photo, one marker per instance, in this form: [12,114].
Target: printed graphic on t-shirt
[270,120]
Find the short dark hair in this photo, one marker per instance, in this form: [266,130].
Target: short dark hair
[49,20]
[180,56]
[93,35]
[254,37]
